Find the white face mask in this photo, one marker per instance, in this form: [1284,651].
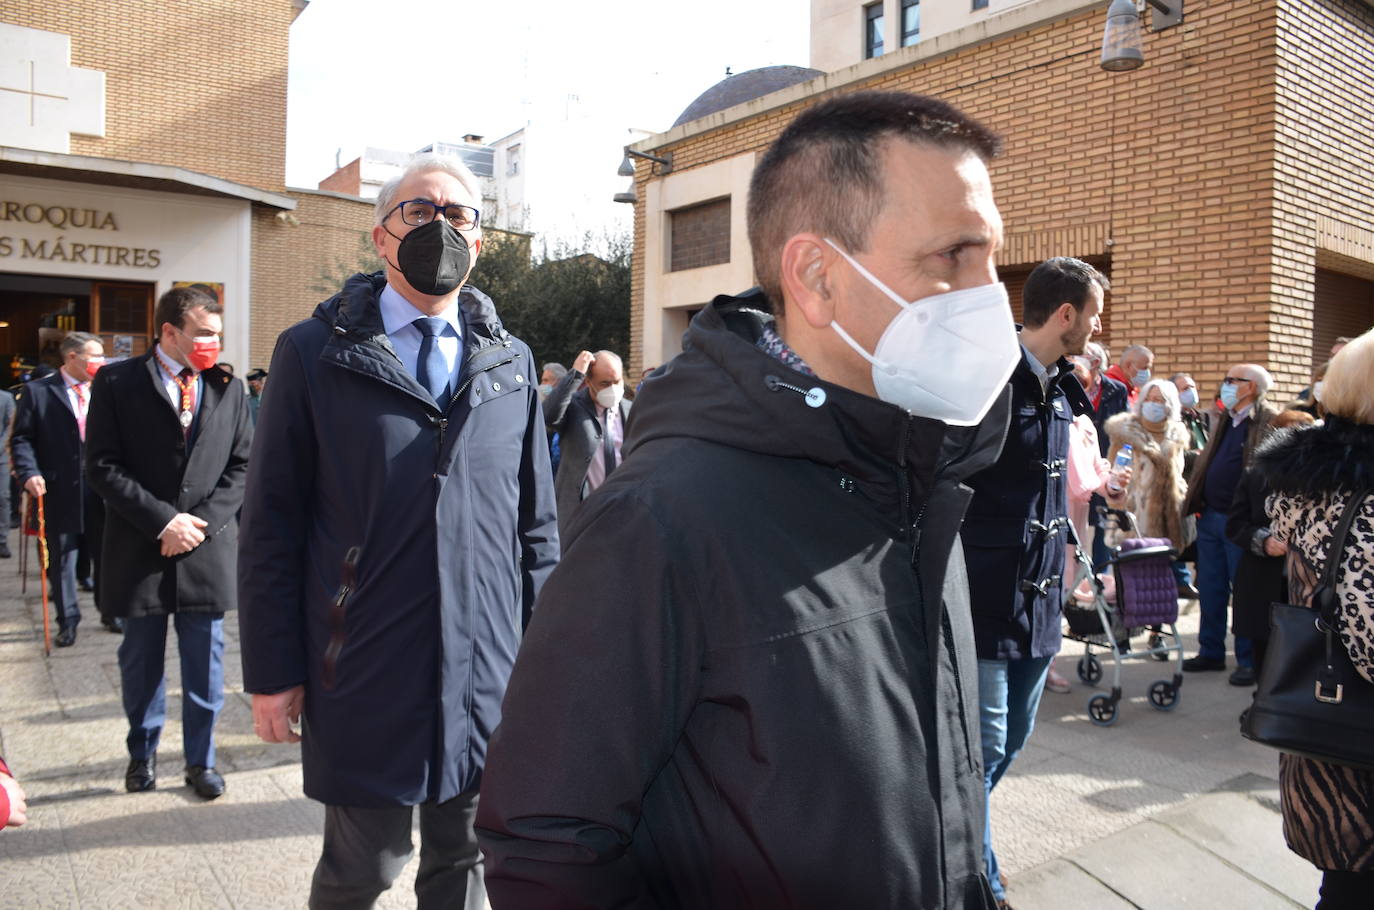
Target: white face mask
[610,396]
[946,356]
[1154,411]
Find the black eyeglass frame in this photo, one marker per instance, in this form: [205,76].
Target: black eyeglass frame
[1232,380]
[438,210]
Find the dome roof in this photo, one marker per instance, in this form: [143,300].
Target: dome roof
[744,87]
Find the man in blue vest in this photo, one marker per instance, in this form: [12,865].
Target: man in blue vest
[1017,523]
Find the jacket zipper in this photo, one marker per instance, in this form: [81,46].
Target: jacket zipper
[338,614]
[442,422]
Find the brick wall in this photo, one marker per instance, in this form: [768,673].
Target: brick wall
[699,235]
[1324,187]
[347,179]
[198,84]
[1182,179]
[297,266]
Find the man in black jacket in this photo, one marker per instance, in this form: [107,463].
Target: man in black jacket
[48,443]
[751,680]
[167,449]
[1018,524]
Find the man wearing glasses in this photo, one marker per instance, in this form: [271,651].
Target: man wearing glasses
[1243,422]
[398,522]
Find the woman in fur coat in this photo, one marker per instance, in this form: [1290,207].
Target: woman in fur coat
[1159,440]
[1314,473]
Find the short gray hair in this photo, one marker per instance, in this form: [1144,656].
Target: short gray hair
[1167,389]
[424,164]
[557,369]
[1259,376]
[1137,349]
[77,341]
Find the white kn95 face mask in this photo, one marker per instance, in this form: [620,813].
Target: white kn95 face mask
[946,356]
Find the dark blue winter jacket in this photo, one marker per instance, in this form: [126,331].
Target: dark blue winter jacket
[390,553]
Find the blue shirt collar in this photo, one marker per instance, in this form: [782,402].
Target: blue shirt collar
[397,312]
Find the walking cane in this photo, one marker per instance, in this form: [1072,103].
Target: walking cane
[43,575]
[23,541]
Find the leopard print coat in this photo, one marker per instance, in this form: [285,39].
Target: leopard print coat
[1328,810]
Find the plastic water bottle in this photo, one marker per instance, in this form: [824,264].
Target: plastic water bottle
[1116,480]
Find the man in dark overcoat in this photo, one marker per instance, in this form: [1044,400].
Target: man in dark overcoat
[1017,525]
[48,443]
[588,411]
[167,449]
[398,522]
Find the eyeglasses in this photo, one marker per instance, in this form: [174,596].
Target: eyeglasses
[419,212]
[1232,380]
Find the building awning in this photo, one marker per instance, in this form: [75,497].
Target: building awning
[139,175]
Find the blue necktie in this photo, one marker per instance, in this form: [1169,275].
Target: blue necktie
[431,370]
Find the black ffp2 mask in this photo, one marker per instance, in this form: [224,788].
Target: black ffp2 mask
[434,258]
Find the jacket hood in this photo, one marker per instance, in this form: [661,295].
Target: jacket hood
[354,311]
[1338,455]
[724,389]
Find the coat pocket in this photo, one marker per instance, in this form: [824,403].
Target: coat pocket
[338,617]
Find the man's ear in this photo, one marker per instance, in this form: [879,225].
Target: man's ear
[807,279]
[1067,315]
[377,233]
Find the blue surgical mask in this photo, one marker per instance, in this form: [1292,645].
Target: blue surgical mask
[1188,398]
[1141,377]
[1229,396]
[1154,411]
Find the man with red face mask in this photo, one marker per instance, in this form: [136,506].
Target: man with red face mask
[167,449]
[48,444]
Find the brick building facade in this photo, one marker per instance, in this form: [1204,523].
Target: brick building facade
[1227,187]
[182,146]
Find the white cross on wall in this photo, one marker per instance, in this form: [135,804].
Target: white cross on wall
[43,98]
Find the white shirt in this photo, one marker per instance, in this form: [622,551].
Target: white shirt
[80,404]
[168,370]
[596,469]
[398,317]
[1243,413]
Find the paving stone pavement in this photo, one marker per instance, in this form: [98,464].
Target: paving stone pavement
[1162,810]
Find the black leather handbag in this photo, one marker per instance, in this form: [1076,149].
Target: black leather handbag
[1310,700]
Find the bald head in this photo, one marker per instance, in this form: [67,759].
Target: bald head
[606,371]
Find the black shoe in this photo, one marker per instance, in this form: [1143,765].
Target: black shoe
[1200,664]
[207,782]
[142,775]
[113,624]
[65,637]
[87,584]
[1244,676]
[1188,592]
[5,550]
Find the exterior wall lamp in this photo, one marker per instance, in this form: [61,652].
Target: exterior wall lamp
[1121,46]
[627,169]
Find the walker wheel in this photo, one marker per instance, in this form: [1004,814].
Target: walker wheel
[1089,669]
[1163,695]
[1102,710]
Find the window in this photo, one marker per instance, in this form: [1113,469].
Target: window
[873,30]
[513,160]
[911,22]
[699,235]
[980,4]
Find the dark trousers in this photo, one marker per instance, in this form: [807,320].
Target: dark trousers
[88,556]
[365,849]
[62,579]
[1346,890]
[200,642]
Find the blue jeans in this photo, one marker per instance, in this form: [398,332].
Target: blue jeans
[1217,559]
[1008,697]
[1181,573]
[200,642]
